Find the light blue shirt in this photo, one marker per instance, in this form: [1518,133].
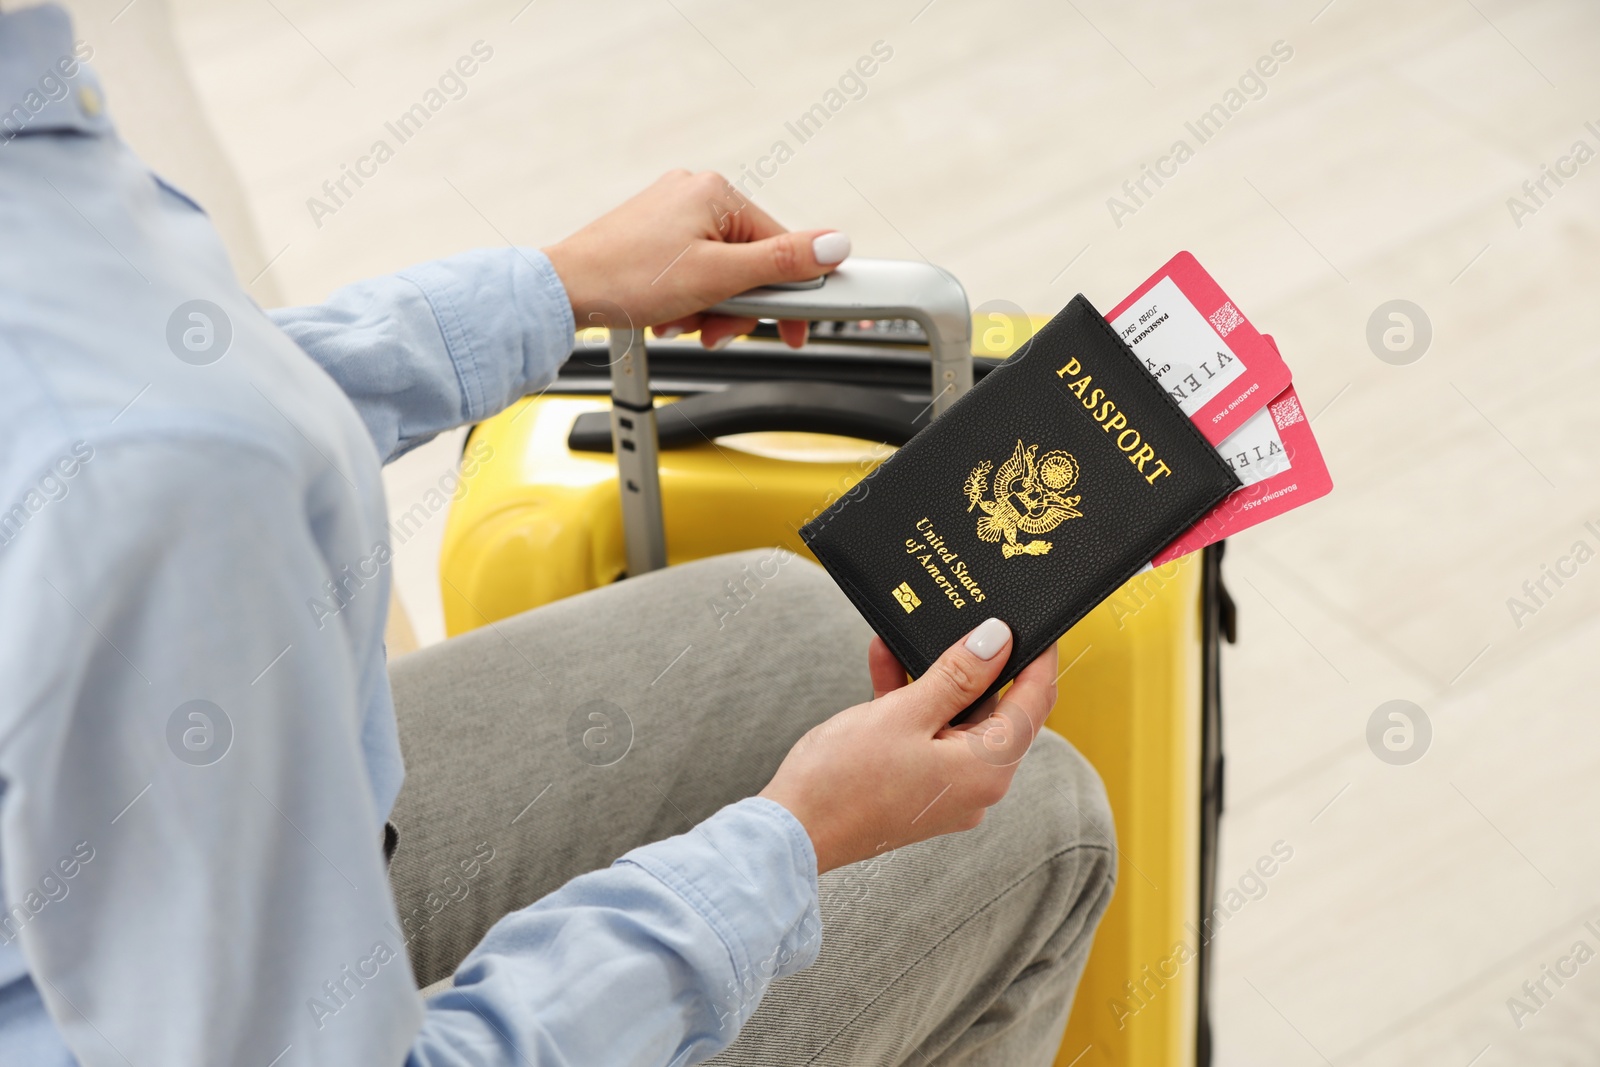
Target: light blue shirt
[195,766]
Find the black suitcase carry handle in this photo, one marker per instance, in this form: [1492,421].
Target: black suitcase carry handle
[807,407]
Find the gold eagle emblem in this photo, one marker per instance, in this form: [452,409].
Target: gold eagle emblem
[1029,497]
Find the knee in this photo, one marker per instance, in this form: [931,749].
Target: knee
[775,608]
[774,567]
[1065,805]
[788,586]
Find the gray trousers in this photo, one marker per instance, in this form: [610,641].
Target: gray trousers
[961,950]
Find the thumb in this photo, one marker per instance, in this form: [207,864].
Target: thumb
[958,677]
[784,257]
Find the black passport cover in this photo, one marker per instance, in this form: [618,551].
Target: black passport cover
[1033,498]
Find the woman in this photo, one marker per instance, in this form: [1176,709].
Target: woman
[197,765]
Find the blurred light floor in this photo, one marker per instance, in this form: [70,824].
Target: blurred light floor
[1376,163]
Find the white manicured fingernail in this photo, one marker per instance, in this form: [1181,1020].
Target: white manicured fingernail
[831,248]
[988,639]
[721,342]
[666,333]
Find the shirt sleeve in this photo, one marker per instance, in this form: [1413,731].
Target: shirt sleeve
[658,960]
[193,757]
[440,344]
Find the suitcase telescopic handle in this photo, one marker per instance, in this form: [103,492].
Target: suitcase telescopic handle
[883,289]
[858,289]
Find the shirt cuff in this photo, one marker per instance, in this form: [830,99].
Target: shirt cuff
[751,873]
[506,321]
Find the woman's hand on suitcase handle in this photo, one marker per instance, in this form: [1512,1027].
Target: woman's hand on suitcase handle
[892,771]
[685,243]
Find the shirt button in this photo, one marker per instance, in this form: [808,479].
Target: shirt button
[89,101]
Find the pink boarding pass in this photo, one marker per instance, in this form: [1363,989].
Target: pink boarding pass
[1277,459]
[1200,347]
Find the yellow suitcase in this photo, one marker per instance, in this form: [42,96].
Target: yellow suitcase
[722,451]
